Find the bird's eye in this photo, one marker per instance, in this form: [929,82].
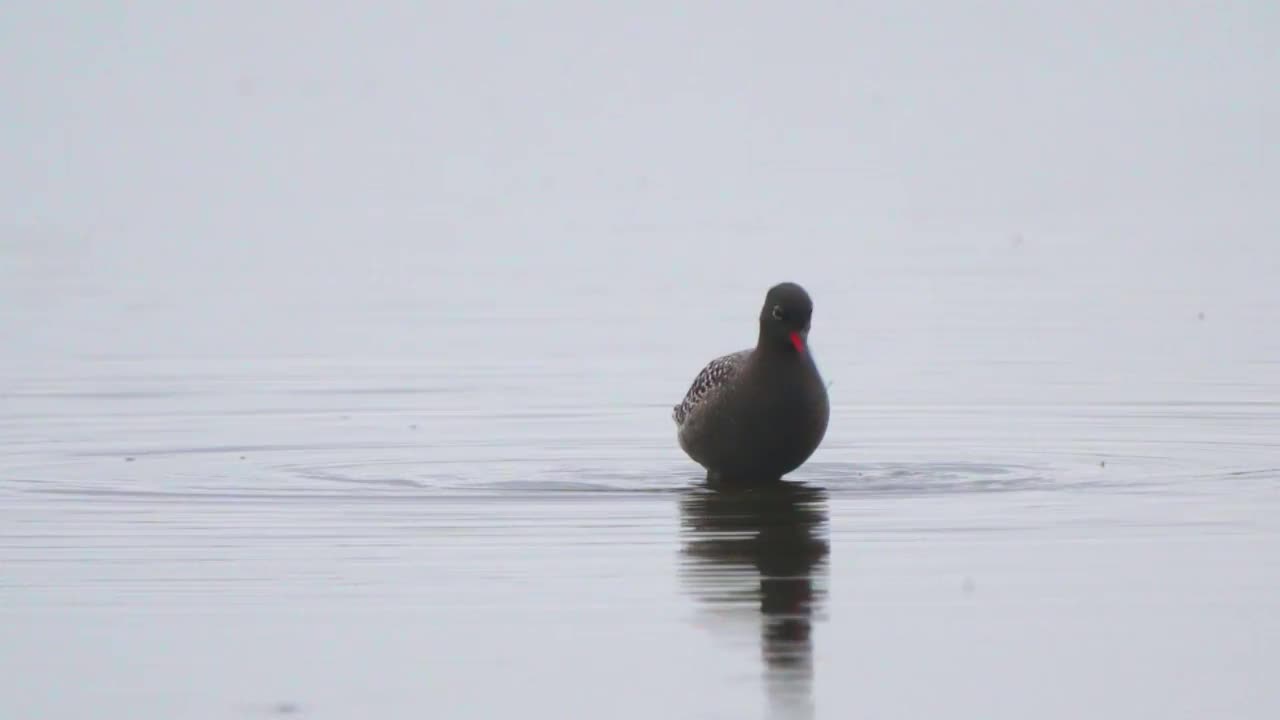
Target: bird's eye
[777,312]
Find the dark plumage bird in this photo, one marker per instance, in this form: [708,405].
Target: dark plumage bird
[756,415]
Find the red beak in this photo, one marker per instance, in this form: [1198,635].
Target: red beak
[797,341]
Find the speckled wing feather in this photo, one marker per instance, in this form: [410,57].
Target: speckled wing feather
[714,376]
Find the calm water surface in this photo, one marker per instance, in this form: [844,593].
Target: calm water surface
[435,484]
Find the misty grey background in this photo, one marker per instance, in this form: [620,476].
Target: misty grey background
[340,342]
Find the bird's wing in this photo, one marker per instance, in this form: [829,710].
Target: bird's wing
[715,375]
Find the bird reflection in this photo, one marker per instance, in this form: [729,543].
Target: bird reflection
[763,549]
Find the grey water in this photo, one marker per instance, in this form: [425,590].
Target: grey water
[339,350]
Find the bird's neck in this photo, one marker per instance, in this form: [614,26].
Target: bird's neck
[771,351]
